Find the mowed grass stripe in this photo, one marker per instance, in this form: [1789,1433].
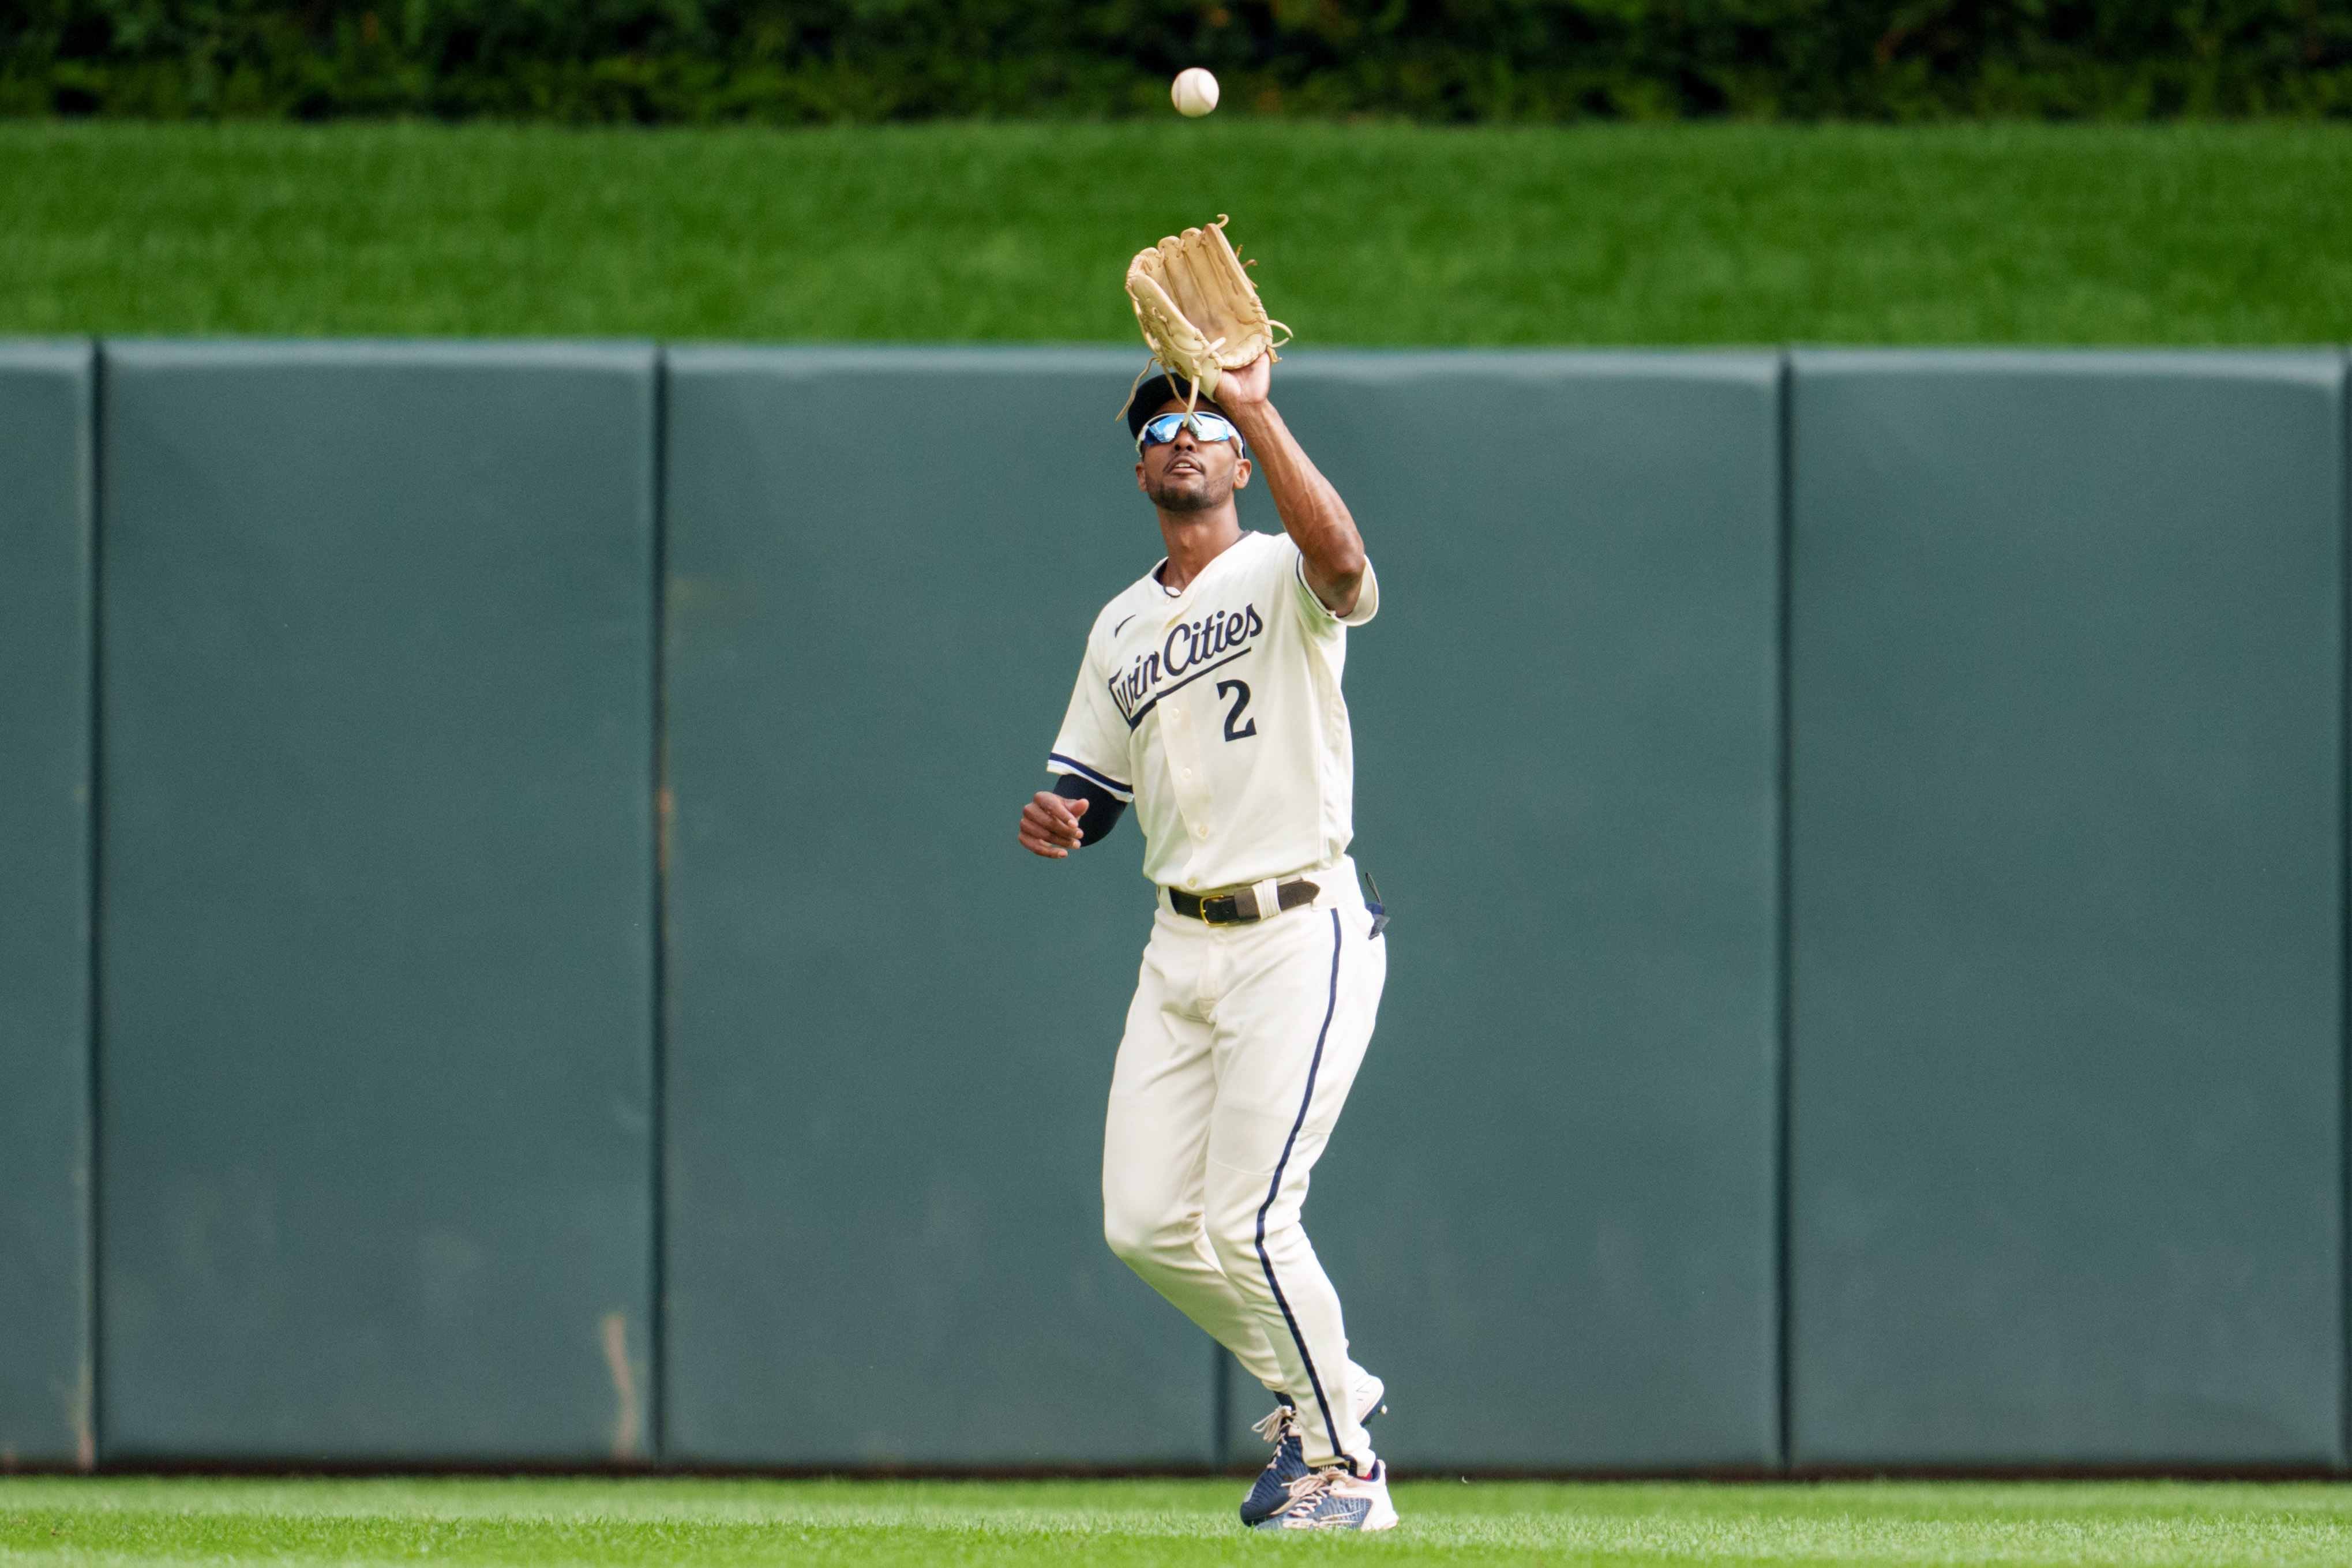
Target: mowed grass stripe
[1371,234]
[654,1524]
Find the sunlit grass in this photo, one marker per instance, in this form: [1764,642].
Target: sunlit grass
[657,1523]
[1368,233]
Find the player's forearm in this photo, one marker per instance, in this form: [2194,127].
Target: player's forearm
[1312,513]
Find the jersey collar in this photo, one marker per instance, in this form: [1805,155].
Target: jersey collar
[1159,591]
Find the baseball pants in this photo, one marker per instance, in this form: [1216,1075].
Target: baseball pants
[1241,1046]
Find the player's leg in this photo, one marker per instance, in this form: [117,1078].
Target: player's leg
[1294,1015]
[1155,1149]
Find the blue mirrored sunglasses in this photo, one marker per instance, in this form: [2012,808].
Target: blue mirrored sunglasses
[1160,429]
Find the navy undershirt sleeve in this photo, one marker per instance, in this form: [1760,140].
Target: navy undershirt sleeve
[1103,808]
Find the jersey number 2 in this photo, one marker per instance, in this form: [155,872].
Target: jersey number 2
[1234,714]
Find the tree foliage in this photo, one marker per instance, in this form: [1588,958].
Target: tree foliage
[798,61]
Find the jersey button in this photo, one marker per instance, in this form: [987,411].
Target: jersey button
[1188,773]
[1202,830]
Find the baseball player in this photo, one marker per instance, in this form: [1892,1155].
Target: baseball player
[1208,697]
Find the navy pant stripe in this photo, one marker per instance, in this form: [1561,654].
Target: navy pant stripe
[1273,1188]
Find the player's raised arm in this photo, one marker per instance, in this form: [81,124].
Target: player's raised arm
[1317,519]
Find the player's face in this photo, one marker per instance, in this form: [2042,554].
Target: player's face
[1189,475]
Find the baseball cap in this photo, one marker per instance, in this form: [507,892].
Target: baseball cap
[1148,396]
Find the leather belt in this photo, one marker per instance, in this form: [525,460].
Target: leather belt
[1240,907]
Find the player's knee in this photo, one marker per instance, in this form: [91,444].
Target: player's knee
[1233,1239]
[1249,1238]
[1137,1237]
[1236,1210]
[1127,1238]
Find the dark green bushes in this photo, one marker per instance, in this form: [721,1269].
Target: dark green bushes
[812,61]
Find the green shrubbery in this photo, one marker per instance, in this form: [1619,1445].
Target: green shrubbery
[814,60]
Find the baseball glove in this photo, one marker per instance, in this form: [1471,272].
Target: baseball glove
[1201,315]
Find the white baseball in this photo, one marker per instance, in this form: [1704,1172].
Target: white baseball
[1195,92]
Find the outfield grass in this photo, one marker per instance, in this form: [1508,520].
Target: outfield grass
[1371,234]
[718,1525]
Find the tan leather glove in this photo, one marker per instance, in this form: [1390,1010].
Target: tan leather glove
[1200,313]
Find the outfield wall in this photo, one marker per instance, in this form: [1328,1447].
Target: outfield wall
[527,918]
[46,517]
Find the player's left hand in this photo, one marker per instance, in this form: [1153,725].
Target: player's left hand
[1248,387]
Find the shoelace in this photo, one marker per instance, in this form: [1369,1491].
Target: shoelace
[1307,1490]
[1276,1426]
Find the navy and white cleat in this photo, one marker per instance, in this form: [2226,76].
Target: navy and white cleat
[1334,1499]
[1271,1491]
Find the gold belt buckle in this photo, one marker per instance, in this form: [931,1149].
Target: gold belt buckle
[1206,918]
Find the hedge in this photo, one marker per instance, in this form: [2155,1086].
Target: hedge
[800,61]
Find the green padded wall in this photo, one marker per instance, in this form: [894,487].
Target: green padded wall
[2066,884]
[890,1029]
[1551,1206]
[376,1000]
[45,651]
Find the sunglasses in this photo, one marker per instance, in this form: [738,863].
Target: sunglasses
[1160,430]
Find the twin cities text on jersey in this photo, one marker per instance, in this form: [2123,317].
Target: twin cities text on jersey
[1190,650]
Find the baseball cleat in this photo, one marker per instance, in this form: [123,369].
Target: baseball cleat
[1271,1490]
[1332,1498]
[1272,1487]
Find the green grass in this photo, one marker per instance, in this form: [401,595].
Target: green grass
[1370,234]
[720,1524]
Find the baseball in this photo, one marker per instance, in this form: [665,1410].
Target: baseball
[1195,92]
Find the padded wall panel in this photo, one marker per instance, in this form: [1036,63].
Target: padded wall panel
[890,1028]
[45,651]
[376,1004]
[1550,1205]
[2067,879]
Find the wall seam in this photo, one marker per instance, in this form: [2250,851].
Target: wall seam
[657,1328]
[91,1441]
[1221,1406]
[1782,936]
[2343,915]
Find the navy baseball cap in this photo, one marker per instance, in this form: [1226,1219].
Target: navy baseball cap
[1154,392]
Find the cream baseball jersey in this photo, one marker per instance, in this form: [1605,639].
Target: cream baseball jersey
[1217,712]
